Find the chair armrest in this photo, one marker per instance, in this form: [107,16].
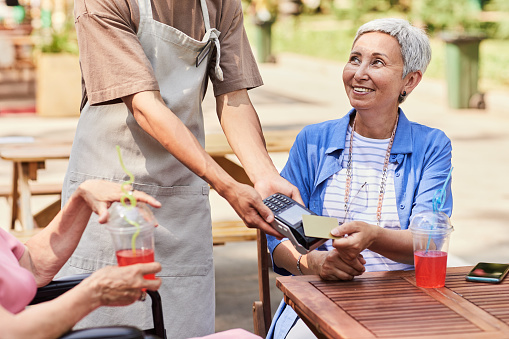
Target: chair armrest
[57,287]
[110,332]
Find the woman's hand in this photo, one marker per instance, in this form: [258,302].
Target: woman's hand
[100,194]
[395,245]
[109,286]
[120,286]
[354,237]
[329,265]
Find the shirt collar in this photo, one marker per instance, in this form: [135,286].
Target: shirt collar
[402,140]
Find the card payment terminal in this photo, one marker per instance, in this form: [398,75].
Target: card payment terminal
[288,221]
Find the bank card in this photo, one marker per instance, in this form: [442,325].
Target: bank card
[316,226]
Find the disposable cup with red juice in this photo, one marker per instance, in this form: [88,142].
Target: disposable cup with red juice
[430,234]
[132,232]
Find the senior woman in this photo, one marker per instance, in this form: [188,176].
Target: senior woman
[23,268]
[372,169]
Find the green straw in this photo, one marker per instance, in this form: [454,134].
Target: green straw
[128,195]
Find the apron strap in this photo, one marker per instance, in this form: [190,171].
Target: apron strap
[145,7]
[205,14]
[211,34]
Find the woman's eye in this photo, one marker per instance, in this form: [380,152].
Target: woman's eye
[378,62]
[355,60]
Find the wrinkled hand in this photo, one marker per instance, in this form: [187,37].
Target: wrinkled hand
[250,207]
[360,235]
[120,286]
[329,265]
[277,184]
[100,194]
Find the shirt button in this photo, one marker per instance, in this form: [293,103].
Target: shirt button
[401,206]
[398,174]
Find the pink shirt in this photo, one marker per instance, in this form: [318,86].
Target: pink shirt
[17,284]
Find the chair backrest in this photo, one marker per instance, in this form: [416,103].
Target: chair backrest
[261,309]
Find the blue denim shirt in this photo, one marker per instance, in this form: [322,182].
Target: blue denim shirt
[423,158]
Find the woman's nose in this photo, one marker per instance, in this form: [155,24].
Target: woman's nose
[361,72]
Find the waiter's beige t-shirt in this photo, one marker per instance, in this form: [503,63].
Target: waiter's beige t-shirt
[112,60]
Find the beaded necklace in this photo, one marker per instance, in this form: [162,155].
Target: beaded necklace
[384,172]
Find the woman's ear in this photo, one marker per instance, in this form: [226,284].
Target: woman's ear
[412,80]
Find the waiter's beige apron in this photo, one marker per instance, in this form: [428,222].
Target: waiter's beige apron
[183,241]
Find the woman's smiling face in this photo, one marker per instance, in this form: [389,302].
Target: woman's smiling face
[372,76]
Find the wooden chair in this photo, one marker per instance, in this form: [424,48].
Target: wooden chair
[41,218]
[262,314]
[232,231]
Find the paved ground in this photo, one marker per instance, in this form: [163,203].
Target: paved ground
[299,91]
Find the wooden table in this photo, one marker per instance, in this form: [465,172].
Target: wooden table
[218,148]
[390,305]
[28,158]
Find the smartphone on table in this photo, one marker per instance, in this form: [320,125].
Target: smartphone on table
[488,272]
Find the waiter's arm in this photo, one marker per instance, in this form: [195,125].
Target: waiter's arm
[242,128]
[162,124]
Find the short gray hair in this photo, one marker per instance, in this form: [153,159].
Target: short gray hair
[413,41]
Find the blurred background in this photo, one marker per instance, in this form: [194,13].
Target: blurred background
[325,28]
[38,41]
[301,46]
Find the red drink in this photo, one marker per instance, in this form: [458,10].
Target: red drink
[128,257]
[430,268]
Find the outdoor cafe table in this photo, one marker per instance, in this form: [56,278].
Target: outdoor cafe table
[28,158]
[390,305]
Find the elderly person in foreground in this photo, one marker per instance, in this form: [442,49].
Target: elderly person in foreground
[23,268]
[373,169]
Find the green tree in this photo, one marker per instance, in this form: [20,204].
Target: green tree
[450,15]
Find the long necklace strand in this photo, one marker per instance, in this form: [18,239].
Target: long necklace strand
[384,172]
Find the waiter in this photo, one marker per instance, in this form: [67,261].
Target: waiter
[145,66]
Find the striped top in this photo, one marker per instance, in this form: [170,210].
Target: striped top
[367,164]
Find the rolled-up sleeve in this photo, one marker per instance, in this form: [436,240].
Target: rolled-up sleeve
[237,60]
[112,60]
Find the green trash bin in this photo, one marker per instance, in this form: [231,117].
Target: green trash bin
[264,42]
[462,70]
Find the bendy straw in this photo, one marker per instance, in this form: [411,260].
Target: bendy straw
[440,195]
[128,195]
[438,203]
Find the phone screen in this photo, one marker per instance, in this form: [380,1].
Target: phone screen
[488,272]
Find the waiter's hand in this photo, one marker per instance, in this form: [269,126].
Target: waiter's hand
[277,184]
[249,205]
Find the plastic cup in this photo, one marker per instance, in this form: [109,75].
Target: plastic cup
[430,234]
[133,244]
